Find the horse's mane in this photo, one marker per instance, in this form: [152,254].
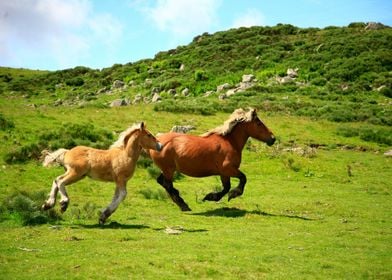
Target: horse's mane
[238,116]
[120,142]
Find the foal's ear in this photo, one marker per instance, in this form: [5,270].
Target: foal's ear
[142,126]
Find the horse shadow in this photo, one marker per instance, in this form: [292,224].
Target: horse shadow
[114,225]
[233,212]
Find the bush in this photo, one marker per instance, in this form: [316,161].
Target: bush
[25,208]
[69,136]
[5,123]
[369,134]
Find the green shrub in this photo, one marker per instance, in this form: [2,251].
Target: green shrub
[5,123]
[25,208]
[380,135]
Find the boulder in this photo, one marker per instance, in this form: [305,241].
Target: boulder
[182,128]
[118,84]
[171,91]
[223,87]
[388,153]
[156,97]
[182,67]
[120,102]
[137,99]
[185,92]
[248,78]
[292,73]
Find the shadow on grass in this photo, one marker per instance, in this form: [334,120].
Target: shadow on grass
[232,212]
[114,225]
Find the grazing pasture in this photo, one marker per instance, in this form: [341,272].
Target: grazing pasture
[317,205]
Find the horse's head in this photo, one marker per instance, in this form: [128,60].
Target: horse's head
[147,140]
[258,130]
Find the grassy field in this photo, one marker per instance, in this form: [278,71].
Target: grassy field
[317,205]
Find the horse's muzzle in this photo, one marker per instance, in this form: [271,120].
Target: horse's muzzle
[271,141]
[159,147]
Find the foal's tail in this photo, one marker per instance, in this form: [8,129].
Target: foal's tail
[57,157]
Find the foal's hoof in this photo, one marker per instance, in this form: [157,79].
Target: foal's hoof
[101,221]
[45,207]
[63,206]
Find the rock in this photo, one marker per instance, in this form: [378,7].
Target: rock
[137,99]
[182,128]
[223,87]
[148,82]
[171,91]
[208,93]
[182,67]
[374,26]
[156,97]
[154,90]
[388,153]
[185,92]
[118,84]
[120,102]
[248,78]
[292,73]
[101,91]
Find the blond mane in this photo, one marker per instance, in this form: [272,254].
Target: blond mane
[120,141]
[238,116]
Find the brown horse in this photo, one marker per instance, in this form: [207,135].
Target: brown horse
[116,164]
[217,152]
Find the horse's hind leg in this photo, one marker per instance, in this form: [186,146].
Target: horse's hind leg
[119,195]
[216,196]
[174,193]
[50,202]
[68,178]
[240,188]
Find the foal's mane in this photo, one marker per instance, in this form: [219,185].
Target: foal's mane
[238,116]
[120,142]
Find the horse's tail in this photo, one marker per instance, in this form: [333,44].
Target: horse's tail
[57,157]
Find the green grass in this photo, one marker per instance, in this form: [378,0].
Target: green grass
[323,214]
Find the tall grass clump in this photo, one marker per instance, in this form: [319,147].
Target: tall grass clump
[69,136]
[380,135]
[25,208]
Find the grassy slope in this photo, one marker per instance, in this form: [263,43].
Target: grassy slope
[311,221]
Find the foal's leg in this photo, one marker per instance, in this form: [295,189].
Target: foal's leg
[119,195]
[51,201]
[174,193]
[240,188]
[216,196]
[70,177]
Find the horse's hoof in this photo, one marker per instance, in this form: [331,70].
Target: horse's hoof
[45,207]
[63,206]
[101,222]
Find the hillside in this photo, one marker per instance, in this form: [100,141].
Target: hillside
[350,66]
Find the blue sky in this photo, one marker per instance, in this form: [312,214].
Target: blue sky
[60,34]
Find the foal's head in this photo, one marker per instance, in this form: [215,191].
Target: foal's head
[147,140]
[258,130]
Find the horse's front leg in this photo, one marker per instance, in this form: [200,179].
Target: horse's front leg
[240,188]
[174,193]
[119,195]
[216,196]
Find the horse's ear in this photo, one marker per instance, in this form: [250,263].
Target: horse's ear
[142,126]
[254,113]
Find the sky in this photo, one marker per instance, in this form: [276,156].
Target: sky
[61,34]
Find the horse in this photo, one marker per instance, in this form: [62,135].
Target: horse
[217,152]
[117,164]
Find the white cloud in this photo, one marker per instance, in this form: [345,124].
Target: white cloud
[61,30]
[183,18]
[250,18]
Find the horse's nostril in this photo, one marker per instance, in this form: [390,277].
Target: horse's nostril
[271,141]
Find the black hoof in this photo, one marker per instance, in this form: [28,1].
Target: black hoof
[45,207]
[185,208]
[63,206]
[234,194]
[212,197]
